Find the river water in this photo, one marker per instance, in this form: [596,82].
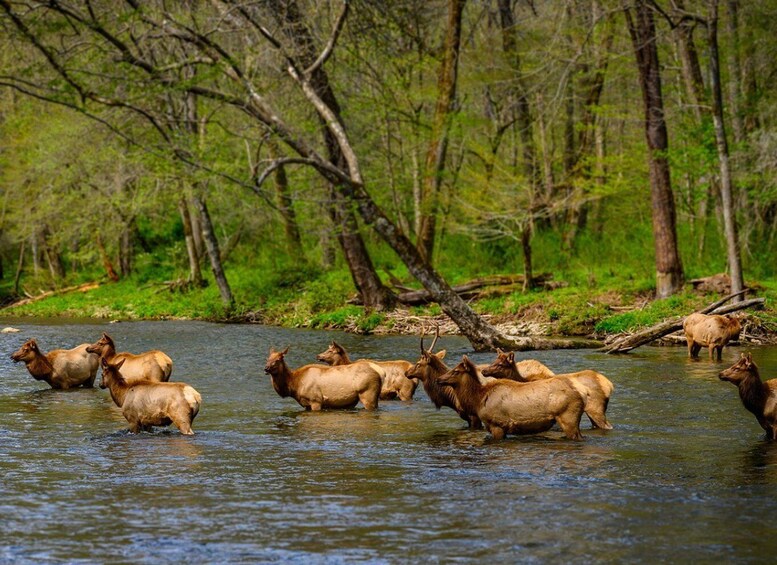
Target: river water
[686,474]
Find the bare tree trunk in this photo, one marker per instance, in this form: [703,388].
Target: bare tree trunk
[195,274]
[726,184]
[669,269]
[126,245]
[735,72]
[286,206]
[107,264]
[19,268]
[691,68]
[438,142]
[525,127]
[52,254]
[373,292]
[212,246]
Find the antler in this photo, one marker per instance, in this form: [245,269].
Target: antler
[423,333]
[436,337]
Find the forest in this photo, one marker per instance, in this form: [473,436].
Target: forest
[305,162]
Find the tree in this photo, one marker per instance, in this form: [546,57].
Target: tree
[669,269]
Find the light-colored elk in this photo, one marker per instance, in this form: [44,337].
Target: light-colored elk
[757,396]
[152,365]
[316,387]
[594,387]
[428,369]
[395,384]
[60,368]
[712,331]
[510,407]
[150,403]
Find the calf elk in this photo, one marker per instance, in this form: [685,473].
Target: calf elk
[149,403]
[395,383]
[152,365]
[509,407]
[317,386]
[60,368]
[757,396]
[594,387]
[711,331]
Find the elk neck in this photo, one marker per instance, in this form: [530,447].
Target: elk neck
[753,392]
[40,367]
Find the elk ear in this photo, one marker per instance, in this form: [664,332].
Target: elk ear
[499,351]
[511,357]
[104,363]
[749,357]
[440,354]
[337,346]
[33,344]
[285,351]
[118,365]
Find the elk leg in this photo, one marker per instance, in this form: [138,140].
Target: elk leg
[314,406]
[497,432]
[369,400]
[184,426]
[135,427]
[569,422]
[690,346]
[597,418]
[474,423]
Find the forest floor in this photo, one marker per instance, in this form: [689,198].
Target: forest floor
[599,311]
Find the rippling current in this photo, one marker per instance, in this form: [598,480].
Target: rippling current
[685,475]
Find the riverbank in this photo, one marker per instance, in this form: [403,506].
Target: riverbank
[591,311]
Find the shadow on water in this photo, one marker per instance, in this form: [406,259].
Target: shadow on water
[265,481]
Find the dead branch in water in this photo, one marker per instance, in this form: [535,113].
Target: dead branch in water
[629,342]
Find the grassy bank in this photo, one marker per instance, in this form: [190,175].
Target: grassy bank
[308,297]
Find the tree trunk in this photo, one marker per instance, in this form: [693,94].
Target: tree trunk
[691,68]
[438,141]
[126,245]
[735,72]
[212,246]
[195,273]
[53,257]
[721,142]
[288,216]
[366,280]
[669,269]
[525,128]
[19,268]
[107,264]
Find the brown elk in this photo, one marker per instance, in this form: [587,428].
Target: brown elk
[60,368]
[594,387]
[428,369]
[712,331]
[757,396]
[395,383]
[316,387]
[150,403]
[152,365]
[509,407]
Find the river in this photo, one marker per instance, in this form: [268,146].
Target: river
[686,474]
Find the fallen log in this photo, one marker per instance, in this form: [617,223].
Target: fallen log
[495,285]
[543,343]
[629,342]
[80,288]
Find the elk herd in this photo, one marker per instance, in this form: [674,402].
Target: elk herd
[504,397]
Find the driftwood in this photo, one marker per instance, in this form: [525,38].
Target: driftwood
[629,342]
[494,285]
[538,343]
[80,288]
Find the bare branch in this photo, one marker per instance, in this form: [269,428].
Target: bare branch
[327,52]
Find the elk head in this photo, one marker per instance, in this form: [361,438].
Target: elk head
[456,376]
[739,370]
[100,344]
[110,372]
[332,355]
[503,366]
[26,352]
[275,361]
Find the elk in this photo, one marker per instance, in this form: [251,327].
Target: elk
[316,387]
[147,403]
[712,331]
[757,396]
[526,370]
[428,370]
[594,387]
[509,407]
[395,383]
[152,365]
[60,368]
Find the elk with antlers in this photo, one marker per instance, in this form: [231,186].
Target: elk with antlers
[60,368]
[428,369]
[316,387]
